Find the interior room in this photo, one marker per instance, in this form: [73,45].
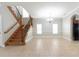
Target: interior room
[39,29]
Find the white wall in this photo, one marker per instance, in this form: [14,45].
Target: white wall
[1,33]
[67,24]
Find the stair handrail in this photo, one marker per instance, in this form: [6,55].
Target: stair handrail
[10,28]
[15,14]
[18,11]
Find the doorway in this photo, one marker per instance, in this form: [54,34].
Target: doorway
[75,23]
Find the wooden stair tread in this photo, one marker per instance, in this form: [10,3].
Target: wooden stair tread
[16,38]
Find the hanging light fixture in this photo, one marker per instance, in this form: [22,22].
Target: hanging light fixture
[49,19]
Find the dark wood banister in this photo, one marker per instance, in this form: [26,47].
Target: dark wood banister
[18,11]
[10,28]
[12,11]
[18,20]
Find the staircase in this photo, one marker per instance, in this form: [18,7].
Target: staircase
[18,37]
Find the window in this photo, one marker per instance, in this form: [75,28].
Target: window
[55,28]
[39,28]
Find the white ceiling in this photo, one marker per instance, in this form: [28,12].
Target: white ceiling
[40,9]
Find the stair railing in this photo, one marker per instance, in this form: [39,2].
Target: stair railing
[19,19]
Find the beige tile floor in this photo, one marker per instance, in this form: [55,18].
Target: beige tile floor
[43,47]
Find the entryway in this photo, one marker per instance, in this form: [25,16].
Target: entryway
[43,28]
